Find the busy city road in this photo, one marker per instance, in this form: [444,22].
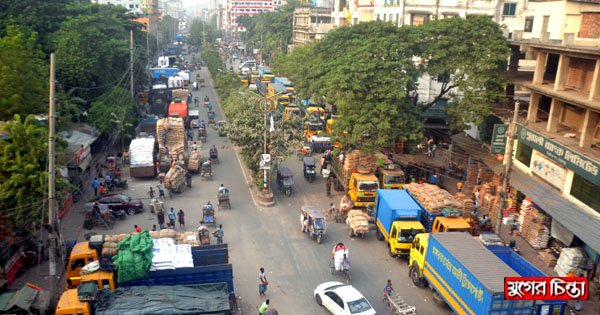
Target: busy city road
[270,237]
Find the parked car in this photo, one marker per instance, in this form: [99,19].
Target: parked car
[342,299]
[120,202]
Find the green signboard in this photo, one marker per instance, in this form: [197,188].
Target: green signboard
[581,165]
[498,145]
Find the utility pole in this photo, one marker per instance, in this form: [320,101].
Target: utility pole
[265,150]
[508,156]
[131,62]
[51,190]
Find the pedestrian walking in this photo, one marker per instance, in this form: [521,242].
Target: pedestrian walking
[137,228]
[160,216]
[172,219]
[101,189]
[181,219]
[262,282]
[219,234]
[263,307]
[188,179]
[161,192]
[434,147]
[151,193]
[170,190]
[95,185]
[387,292]
[328,186]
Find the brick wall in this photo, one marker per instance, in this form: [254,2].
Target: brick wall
[581,72]
[590,25]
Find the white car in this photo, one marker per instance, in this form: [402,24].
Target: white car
[342,299]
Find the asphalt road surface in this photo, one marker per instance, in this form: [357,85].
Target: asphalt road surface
[271,237]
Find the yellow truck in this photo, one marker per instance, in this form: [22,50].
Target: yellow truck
[397,216]
[81,255]
[390,176]
[360,187]
[292,110]
[280,93]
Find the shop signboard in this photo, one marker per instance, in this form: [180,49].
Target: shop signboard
[581,165]
[498,145]
[548,170]
[83,156]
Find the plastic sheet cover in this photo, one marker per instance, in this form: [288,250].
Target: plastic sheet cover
[209,298]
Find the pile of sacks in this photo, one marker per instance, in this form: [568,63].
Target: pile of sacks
[168,255]
[175,177]
[358,221]
[572,258]
[189,238]
[433,198]
[194,161]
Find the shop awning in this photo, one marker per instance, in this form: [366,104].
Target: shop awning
[583,223]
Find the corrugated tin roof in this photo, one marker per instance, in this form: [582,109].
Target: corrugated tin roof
[481,262]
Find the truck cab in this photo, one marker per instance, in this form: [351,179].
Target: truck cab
[416,258]
[81,255]
[390,177]
[314,111]
[450,224]
[362,189]
[402,236]
[105,279]
[312,128]
[69,304]
[292,110]
[332,120]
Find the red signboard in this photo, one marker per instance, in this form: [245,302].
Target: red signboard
[546,288]
[82,153]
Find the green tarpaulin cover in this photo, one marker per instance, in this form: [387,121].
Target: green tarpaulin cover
[210,298]
[134,257]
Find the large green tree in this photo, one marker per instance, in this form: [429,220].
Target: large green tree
[200,30]
[23,171]
[23,75]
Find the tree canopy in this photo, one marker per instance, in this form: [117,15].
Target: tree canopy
[370,70]
[196,33]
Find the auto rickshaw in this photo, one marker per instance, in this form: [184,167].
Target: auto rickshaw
[202,134]
[309,168]
[201,81]
[223,198]
[285,180]
[213,155]
[198,78]
[206,170]
[312,221]
[208,215]
[203,235]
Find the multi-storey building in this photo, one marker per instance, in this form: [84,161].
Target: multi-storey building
[134,6]
[246,7]
[311,24]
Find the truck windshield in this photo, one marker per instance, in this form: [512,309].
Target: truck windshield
[315,127]
[368,186]
[457,230]
[407,236]
[394,179]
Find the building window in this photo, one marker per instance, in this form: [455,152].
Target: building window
[509,9]
[418,19]
[528,25]
[523,154]
[131,6]
[586,192]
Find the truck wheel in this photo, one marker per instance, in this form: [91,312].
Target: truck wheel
[379,235]
[414,275]
[351,233]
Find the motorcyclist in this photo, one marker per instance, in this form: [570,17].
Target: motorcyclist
[196,100]
[213,149]
[206,99]
[209,107]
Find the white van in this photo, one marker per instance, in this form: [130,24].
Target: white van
[194,117]
[248,65]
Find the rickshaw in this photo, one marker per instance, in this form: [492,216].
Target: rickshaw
[213,154]
[337,258]
[156,205]
[201,81]
[223,200]
[208,215]
[211,117]
[203,235]
[285,180]
[312,221]
[202,134]
[309,168]
[112,164]
[206,171]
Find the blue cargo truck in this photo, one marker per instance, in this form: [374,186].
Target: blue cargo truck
[465,274]
[156,73]
[397,218]
[525,269]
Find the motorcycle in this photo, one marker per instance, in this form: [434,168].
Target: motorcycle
[118,182]
[119,214]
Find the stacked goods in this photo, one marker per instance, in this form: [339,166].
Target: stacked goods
[511,206]
[163,252]
[548,258]
[497,180]
[358,221]
[167,233]
[570,259]
[109,249]
[175,178]
[538,235]
[466,202]
[471,179]
[183,256]
[485,174]
[433,198]
[182,94]
[526,211]
[357,161]
[175,137]
[155,234]
[533,225]
[194,161]
[141,152]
